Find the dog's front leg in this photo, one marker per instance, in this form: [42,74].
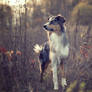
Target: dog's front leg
[54,70]
[63,80]
[55,78]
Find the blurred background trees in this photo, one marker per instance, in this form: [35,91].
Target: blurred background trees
[21,27]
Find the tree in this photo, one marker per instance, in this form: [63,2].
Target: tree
[83,13]
[5,25]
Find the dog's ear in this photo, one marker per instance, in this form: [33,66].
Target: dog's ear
[61,18]
[50,16]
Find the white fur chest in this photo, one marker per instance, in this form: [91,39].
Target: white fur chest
[57,45]
[55,41]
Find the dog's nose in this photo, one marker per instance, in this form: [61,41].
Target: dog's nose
[44,26]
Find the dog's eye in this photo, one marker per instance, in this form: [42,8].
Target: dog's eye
[55,20]
[51,22]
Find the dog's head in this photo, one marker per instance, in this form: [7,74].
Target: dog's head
[54,23]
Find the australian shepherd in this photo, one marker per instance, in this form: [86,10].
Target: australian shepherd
[55,50]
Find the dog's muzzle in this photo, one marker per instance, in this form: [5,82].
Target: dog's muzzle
[47,28]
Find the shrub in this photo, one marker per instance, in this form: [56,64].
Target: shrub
[82,13]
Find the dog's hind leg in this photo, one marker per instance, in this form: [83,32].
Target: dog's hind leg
[42,72]
[41,78]
[44,66]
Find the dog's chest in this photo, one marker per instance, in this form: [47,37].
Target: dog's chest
[57,45]
[56,41]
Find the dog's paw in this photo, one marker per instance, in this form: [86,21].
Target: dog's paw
[56,87]
[63,82]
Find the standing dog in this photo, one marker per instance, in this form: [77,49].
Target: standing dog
[57,48]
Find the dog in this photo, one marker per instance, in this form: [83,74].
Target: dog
[57,48]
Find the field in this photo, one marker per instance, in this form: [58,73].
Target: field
[21,27]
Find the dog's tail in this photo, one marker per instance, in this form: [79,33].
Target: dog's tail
[37,48]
